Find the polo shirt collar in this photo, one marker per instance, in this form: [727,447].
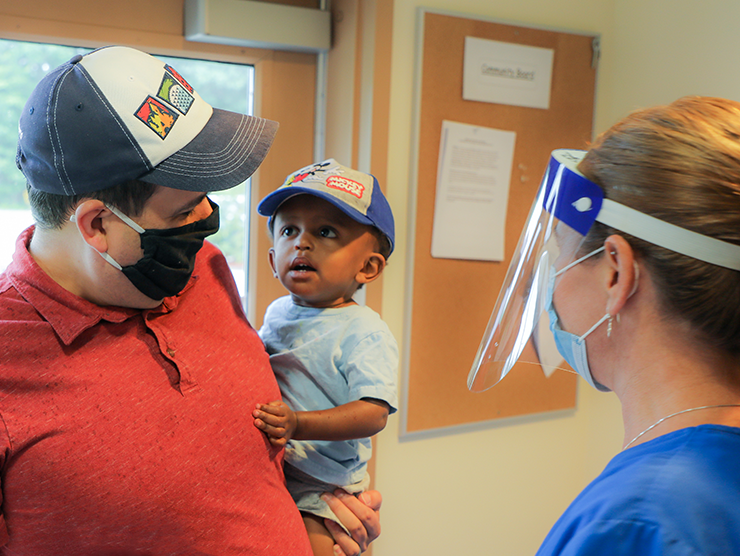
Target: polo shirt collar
[68,314]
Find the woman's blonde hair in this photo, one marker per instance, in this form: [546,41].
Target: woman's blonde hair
[679,163]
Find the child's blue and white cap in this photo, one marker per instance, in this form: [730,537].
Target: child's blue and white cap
[355,193]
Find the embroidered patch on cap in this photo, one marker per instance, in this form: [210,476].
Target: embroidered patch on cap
[315,172]
[176,92]
[180,78]
[158,117]
[344,184]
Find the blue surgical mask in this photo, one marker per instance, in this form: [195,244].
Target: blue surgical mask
[570,346]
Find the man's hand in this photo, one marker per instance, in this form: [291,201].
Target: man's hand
[276,420]
[359,514]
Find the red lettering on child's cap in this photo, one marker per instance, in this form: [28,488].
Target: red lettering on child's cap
[343,184]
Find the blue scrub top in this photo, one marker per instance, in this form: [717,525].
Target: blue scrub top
[678,494]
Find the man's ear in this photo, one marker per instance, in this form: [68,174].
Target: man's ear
[271,258]
[374,265]
[622,275]
[89,217]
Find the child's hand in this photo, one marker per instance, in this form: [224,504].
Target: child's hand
[276,420]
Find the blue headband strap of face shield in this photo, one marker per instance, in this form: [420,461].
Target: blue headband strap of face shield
[578,202]
[569,195]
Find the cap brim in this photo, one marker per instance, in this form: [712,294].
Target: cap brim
[224,154]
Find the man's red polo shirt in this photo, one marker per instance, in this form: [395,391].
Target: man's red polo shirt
[127,432]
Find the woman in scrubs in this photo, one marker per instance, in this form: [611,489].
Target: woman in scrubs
[629,270]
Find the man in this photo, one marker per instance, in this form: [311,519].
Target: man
[127,368]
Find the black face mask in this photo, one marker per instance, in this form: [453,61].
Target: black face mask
[169,255]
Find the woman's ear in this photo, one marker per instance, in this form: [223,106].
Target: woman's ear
[89,217]
[373,267]
[622,274]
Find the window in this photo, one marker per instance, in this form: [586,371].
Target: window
[224,85]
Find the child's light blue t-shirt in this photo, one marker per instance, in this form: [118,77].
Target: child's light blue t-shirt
[324,358]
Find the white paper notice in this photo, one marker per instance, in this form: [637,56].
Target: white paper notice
[472,192]
[507,73]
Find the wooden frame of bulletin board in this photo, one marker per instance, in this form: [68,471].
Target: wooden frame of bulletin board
[450,301]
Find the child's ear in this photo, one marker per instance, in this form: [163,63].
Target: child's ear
[374,265]
[271,258]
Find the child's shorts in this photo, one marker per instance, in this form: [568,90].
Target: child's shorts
[306,492]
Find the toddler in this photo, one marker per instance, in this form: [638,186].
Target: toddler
[336,361]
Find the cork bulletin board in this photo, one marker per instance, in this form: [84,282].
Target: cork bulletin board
[450,301]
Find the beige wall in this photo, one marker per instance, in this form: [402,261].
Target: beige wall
[499,490]
[672,48]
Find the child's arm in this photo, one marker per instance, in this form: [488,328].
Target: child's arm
[358,419]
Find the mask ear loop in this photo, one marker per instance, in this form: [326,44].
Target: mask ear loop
[595,326]
[571,265]
[110,260]
[120,215]
[574,263]
[634,289]
[125,218]
[637,279]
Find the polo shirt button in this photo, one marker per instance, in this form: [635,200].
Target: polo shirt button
[170,352]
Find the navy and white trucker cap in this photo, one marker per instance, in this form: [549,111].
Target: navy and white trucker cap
[355,193]
[118,114]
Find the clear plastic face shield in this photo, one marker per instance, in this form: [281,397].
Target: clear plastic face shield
[562,213]
[566,206]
